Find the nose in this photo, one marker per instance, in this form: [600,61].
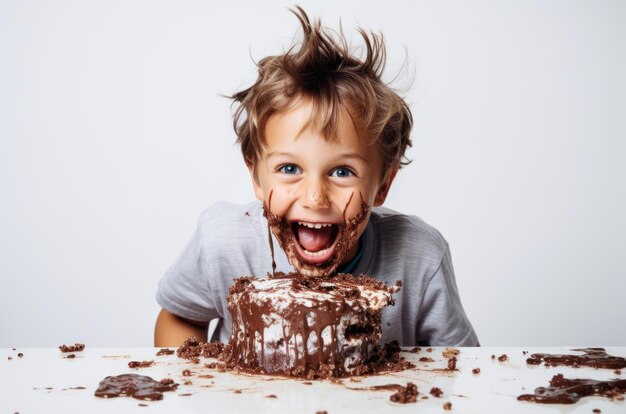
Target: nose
[315,195]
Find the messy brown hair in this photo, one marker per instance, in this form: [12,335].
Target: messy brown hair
[325,71]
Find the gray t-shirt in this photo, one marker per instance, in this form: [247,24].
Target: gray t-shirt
[231,241]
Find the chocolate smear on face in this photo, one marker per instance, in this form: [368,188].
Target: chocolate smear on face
[568,391]
[269,230]
[345,240]
[593,357]
[140,387]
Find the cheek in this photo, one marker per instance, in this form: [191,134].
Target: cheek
[281,200]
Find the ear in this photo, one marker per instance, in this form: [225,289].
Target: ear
[256,183]
[381,195]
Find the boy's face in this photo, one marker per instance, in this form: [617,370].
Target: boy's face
[312,182]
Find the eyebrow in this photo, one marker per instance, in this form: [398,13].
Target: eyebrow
[352,155]
[276,153]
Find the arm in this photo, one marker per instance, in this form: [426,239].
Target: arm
[172,330]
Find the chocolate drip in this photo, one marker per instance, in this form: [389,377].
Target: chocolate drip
[266,211]
[568,391]
[593,357]
[140,387]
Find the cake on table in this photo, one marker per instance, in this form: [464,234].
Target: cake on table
[309,327]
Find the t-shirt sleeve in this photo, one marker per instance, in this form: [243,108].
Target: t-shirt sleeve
[442,319]
[185,289]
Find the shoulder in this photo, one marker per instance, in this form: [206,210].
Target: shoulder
[395,227]
[225,213]
[224,224]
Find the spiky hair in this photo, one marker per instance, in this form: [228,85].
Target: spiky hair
[323,69]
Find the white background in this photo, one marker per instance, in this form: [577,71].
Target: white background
[114,137]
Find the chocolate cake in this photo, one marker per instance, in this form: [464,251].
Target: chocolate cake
[292,325]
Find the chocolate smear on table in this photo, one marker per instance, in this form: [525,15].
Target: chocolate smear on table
[592,357]
[72,348]
[568,391]
[140,387]
[140,364]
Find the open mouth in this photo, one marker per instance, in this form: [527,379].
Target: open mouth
[315,242]
[315,249]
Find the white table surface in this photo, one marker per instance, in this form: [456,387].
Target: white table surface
[42,380]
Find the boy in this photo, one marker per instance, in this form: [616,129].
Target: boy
[323,138]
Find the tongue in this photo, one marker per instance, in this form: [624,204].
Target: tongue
[315,240]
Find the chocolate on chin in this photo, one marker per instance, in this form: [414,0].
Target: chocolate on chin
[345,238]
[313,327]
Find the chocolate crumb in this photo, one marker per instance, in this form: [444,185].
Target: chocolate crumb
[307,383]
[596,411]
[524,352]
[237,391]
[140,364]
[186,373]
[142,405]
[165,351]
[450,352]
[429,350]
[185,395]
[503,357]
[452,364]
[188,383]
[476,371]
[321,412]
[72,348]
[415,350]
[70,356]
[424,397]
[426,359]
[447,406]
[20,355]
[436,392]
[247,213]
[9,358]
[493,356]
[193,349]
[618,371]
[271,396]
[406,394]
[206,376]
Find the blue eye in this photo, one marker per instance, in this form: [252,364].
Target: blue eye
[289,169]
[341,172]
